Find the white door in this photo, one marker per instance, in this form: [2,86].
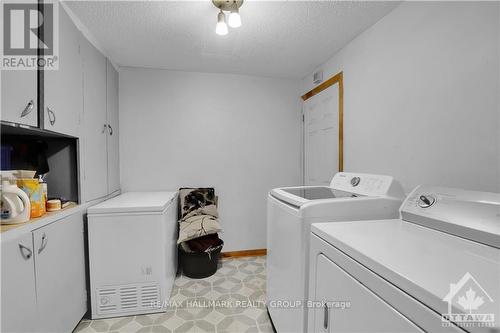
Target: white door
[321,136]
[366,313]
[18,97]
[60,274]
[63,87]
[112,114]
[95,122]
[18,298]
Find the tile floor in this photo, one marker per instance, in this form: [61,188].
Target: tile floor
[232,300]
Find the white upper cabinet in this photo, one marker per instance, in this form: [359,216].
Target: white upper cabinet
[112,114]
[63,87]
[19,96]
[95,159]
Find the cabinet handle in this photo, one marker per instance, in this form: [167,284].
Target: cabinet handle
[27,110]
[110,129]
[44,243]
[25,252]
[326,316]
[104,128]
[52,116]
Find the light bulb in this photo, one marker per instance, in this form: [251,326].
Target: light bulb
[221,27]
[234,19]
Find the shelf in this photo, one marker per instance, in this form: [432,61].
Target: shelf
[9,128]
[49,217]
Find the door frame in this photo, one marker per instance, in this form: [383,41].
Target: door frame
[337,78]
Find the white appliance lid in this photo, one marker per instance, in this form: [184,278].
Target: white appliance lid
[468,214]
[421,261]
[132,202]
[317,192]
[345,186]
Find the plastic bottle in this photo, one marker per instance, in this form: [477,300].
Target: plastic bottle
[43,184]
[16,202]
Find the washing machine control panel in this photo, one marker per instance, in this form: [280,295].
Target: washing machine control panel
[366,184]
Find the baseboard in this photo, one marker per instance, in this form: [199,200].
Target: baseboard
[244,253]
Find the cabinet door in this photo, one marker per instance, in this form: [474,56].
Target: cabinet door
[367,312]
[18,98]
[63,87]
[18,298]
[95,125]
[112,113]
[60,274]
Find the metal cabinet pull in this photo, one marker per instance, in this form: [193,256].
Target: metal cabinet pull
[110,129]
[25,252]
[27,110]
[104,128]
[326,316]
[52,116]
[44,243]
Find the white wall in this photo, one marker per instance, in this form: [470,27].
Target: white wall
[239,134]
[498,131]
[421,95]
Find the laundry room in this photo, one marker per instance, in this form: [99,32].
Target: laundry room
[250,166]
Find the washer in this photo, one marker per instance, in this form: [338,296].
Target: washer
[435,269]
[290,213]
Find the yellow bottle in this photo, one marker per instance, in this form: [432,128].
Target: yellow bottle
[34,191]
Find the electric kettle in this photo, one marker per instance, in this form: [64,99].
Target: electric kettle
[16,206]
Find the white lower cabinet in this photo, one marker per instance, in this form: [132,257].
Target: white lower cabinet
[43,278]
[60,274]
[18,294]
[367,312]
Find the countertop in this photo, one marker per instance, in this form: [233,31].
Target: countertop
[13,231]
[9,231]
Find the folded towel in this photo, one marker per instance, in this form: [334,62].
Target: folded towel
[199,216]
[204,243]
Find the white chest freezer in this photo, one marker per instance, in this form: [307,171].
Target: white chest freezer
[132,253]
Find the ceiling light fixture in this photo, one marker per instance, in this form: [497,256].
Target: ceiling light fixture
[221,27]
[234,19]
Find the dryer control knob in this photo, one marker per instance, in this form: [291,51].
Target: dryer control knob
[355,181]
[425,201]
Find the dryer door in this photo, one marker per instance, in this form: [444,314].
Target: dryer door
[348,306]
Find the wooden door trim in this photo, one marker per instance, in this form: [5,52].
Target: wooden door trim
[337,78]
[244,253]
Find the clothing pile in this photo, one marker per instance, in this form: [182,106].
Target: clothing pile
[199,223]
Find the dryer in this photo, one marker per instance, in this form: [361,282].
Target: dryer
[290,213]
[435,269]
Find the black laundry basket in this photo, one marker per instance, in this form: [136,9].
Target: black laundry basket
[199,265]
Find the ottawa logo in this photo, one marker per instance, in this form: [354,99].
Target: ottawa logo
[467,301]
